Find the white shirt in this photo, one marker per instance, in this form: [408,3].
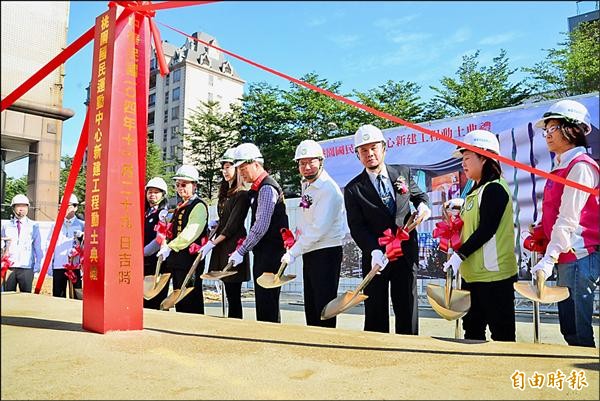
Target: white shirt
[564,232]
[323,224]
[65,241]
[25,249]
[386,180]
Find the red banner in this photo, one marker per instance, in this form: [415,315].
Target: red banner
[113,254]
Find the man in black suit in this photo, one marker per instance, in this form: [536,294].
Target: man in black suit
[377,199]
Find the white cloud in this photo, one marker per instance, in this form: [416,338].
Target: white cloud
[316,21]
[409,37]
[345,40]
[498,39]
[392,23]
[459,36]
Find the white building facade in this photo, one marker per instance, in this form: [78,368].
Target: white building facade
[197,74]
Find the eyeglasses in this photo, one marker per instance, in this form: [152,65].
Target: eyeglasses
[181,184]
[306,162]
[551,130]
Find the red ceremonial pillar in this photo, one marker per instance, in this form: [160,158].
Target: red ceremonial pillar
[113,254]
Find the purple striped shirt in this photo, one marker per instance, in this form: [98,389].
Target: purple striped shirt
[267,198]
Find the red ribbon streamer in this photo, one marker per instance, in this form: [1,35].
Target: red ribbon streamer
[288,238]
[163,230]
[195,248]
[449,233]
[6,263]
[393,243]
[397,120]
[537,241]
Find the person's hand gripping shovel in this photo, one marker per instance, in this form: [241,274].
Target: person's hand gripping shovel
[188,282]
[270,280]
[226,271]
[154,284]
[536,289]
[393,250]
[448,302]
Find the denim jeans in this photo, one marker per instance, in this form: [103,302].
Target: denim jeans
[575,313]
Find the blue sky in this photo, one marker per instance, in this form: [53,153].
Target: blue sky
[361,44]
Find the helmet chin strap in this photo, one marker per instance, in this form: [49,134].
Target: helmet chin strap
[315,175]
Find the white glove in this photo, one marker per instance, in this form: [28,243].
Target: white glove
[454,203]
[546,264]
[207,248]
[378,258]
[453,262]
[288,258]
[423,211]
[212,224]
[235,258]
[164,251]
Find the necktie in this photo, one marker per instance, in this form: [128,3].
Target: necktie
[386,196]
[19,228]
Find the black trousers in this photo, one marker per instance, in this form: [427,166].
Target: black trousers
[60,282]
[194,301]
[233,292]
[267,300]
[493,305]
[399,280]
[321,274]
[23,277]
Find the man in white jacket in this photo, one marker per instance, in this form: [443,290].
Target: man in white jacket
[321,230]
[25,248]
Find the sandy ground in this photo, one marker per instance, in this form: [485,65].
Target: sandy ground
[179,356]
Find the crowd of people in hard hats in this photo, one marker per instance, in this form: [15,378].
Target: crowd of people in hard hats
[382,197]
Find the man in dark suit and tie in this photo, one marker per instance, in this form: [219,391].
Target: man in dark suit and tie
[377,199]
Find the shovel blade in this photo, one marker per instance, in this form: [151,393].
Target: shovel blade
[548,294]
[216,275]
[341,304]
[78,293]
[174,297]
[459,305]
[152,288]
[270,280]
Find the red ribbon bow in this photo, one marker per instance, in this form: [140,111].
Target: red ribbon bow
[70,271]
[288,238]
[163,230]
[448,232]
[6,263]
[537,241]
[195,248]
[393,243]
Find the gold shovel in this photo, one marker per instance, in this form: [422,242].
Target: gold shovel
[352,298]
[219,274]
[178,295]
[450,303]
[537,291]
[154,284]
[270,280]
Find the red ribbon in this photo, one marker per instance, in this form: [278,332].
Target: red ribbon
[537,241]
[163,230]
[239,243]
[195,248]
[393,243]
[449,233]
[288,238]
[6,263]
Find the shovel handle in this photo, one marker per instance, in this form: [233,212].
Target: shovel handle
[159,261]
[188,276]
[227,266]
[281,270]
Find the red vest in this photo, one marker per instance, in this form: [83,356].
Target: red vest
[586,237]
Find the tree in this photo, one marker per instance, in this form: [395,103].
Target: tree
[13,187]
[573,68]
[211,133]
[156,166]
[79,189]
[480,88]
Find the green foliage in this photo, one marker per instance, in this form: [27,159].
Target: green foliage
[13,187]
[79,189]
[480,88]
[211,133]
[156,166]
[573,68]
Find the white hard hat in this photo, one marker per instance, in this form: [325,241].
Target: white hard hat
[72,200]
[569,110]
[157,182]
[247,152]
[187,173]
[367,134]
[479,138]
[308,149]
[19,199]
[228,156]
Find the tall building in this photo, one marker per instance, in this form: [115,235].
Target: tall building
[197,74]
[32,34]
